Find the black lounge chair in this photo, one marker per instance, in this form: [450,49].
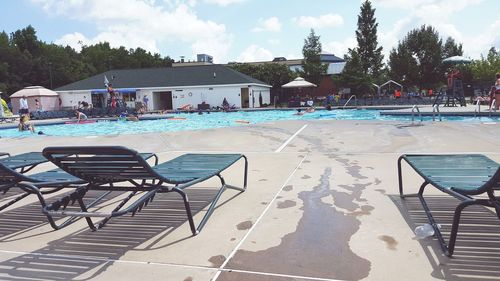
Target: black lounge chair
[13,171]
[459,175]
[121,169]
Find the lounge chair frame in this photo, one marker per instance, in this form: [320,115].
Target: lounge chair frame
[485,183]
[121,169]
[40,184]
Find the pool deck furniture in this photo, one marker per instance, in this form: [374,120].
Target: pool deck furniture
[462,176]
[13,171]
[116,168]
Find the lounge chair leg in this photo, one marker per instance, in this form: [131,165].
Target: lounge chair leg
[400,177]
[88,219]
[454,227]
[246,172]
[188,210]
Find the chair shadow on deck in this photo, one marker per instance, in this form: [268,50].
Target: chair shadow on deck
[86,254]
[477,251]
[21,219]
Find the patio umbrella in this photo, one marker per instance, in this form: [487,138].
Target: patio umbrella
[457,60]
[299,82]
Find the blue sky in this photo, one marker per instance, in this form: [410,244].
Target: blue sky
[248,30]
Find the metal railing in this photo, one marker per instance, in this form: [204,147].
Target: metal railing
[350,98]
[478,108]
[493,106]
[415,107]
[435,108]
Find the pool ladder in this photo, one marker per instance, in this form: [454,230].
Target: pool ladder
[435,108]
[413,109]
[350,98]
[478,108]
[493,106]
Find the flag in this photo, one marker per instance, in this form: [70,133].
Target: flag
[106,81]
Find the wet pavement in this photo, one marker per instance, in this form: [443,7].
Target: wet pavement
[324,206]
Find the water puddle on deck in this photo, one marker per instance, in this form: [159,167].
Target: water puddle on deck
[320,245]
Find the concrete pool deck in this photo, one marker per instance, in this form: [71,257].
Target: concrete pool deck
[321,204]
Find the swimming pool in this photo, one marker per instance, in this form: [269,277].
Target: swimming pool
[185,121]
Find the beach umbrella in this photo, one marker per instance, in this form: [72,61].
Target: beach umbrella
[299,82]
[456,60]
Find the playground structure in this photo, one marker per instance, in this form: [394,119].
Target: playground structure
[388,83]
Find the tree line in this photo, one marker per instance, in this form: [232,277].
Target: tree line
[25,61]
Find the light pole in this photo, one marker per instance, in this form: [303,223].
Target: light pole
[50,74]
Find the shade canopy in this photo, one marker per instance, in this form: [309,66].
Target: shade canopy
[457,60]
[34,91]
[298,82]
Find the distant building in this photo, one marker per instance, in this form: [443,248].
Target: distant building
[169,88]
[335,64]
[204,58]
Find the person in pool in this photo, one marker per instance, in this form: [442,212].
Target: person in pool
[25,125]
[80,116]
[299,112]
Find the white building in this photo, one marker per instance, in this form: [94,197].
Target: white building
[169,88]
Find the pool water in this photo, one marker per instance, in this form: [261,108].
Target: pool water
[185,121]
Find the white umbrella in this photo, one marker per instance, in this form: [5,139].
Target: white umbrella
[298,82]
[457,60]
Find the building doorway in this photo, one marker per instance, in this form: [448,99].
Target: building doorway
[97,100]
[162,100]
[245,101]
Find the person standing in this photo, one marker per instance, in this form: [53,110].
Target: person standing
[38,106]
[23,106]
[145,99]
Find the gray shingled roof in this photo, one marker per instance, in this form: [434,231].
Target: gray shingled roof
[164,77]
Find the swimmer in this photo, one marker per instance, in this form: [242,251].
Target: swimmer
[24,124]
[299,112]
[80,115]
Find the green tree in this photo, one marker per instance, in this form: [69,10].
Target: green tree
[369,52]
[417,60]
[450,48]
[485,69]
[274,74]
[353,76]
[313,69]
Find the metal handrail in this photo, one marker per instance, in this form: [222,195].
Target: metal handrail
[478,108]
[493,106]
[350,98]
[415,107]
[434,109]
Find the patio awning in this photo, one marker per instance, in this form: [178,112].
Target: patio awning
[299,82]
[34,91]
[121,91]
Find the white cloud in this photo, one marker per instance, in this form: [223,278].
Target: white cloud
[272,24]
[136,23]
[274,41]
[440,15]
[328,20]
[255,53]
[223,3]
[339,48]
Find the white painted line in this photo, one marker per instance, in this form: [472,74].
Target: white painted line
[106,260]
[290,139]
[280,275]
[221,268]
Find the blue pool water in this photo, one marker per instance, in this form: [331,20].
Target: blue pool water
[213,120]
